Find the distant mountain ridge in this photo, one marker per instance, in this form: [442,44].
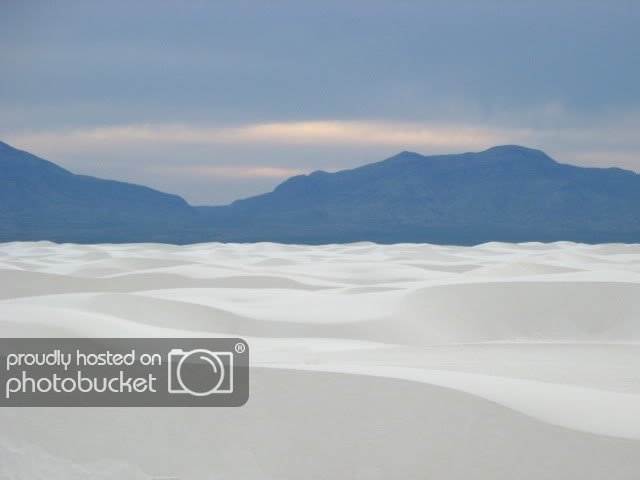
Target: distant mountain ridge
[40,200]
[506,193]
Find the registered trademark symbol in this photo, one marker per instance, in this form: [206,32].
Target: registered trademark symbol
[240,347]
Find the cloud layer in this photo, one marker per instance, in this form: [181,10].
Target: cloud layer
[218,164]
[218,100]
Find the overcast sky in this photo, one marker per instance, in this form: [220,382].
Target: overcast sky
[221,100]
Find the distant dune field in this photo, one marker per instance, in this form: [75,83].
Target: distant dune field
[409,361]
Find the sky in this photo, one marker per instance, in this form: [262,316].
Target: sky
[217,101]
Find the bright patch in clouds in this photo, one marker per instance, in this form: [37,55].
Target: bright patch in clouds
[595,145]
[220,163]
[231,171]
[401,135]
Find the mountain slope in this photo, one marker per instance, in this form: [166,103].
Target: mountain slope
[39,200]
[507,193]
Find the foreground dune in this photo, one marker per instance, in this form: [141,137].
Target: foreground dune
[404,361]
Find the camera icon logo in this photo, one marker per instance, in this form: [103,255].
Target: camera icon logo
[200,372]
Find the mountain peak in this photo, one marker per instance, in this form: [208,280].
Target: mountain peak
[515,150]
[498,152]
[406,154]
[511,148]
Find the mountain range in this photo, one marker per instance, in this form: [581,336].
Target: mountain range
[506,193]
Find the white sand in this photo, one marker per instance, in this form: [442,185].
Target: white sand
[407,361]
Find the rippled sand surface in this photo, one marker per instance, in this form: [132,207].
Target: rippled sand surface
[499,361]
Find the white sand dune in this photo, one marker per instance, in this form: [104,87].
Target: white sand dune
[409,361]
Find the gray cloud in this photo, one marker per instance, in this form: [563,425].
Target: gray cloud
[217,164]
[230,86]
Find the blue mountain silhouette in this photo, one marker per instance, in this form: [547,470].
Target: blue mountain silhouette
[505,193]
[42,201]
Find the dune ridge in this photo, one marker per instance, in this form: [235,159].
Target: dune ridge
[482,358]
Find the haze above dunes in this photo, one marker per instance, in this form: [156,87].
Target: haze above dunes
[369,361]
